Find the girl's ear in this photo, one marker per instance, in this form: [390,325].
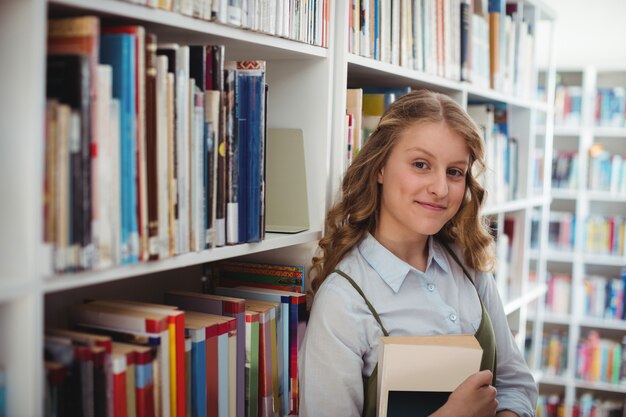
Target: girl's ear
[380,175]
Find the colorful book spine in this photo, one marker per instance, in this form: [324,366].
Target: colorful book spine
[275,276]
[117,50]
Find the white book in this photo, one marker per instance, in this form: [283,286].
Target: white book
[115,204]
[428,364]
[101,170]
[182,148]
[162,165]
[212,117]
[198,186]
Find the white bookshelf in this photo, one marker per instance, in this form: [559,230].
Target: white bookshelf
[579,262]
[307,91]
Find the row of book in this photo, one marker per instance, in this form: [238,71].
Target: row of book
[151,149]
[604,297]
[558,293]
[305,22]
[364,108]
[603,234]
[587,405]
[607,171]
[501,152]
[196,354]
[601,360]
[554,353]
[487,43]
[610,106]
[565,170]
[568,106]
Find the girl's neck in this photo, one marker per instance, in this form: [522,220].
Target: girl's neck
[413,251]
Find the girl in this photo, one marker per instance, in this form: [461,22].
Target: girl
[406,252]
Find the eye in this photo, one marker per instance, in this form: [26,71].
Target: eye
[420,164]
[454,172]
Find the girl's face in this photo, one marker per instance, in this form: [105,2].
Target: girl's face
[423,182]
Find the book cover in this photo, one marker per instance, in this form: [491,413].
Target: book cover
[140,156]
[423,370]
[152,144]
[252,363]
[232,153]
[250,116]
[117,50]
[162,166]
[211,324]
[255,274]
[269,392]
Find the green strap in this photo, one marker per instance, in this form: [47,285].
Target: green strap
[369,305]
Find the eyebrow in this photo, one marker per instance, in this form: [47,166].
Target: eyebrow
[417,148]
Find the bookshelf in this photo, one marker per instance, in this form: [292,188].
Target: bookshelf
[307,91]
[587,130]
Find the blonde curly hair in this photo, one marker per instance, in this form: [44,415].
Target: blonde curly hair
[357,211]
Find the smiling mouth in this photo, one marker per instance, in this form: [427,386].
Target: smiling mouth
[431,206]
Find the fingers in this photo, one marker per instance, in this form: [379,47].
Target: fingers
[480,379]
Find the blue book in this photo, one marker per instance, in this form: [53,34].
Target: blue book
[118,50]
[244,139]
[251,134]
[198,370]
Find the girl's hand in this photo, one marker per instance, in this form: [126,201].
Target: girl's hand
[475,397]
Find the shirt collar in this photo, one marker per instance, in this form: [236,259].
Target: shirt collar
[394,270]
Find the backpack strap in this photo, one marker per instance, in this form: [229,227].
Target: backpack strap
[369,305]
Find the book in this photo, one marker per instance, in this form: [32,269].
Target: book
[68,80]
[170,356]
[272,391]
[140,156]
[354,106]
[225,306]
[250,116]
[292,321]
[255,274]
[79,36]
[286,201]
[117,50]
[103,391]
[252,363]
[232,154]
[416,374]
[216,329]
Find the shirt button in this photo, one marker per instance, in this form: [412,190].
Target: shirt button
[431,287]
[452,317]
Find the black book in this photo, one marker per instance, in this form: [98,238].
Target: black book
[68,81]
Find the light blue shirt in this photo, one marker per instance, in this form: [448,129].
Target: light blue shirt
[340,347]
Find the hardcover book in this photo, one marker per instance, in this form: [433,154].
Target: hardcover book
[416,374]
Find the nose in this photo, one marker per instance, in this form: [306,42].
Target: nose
[438,185]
